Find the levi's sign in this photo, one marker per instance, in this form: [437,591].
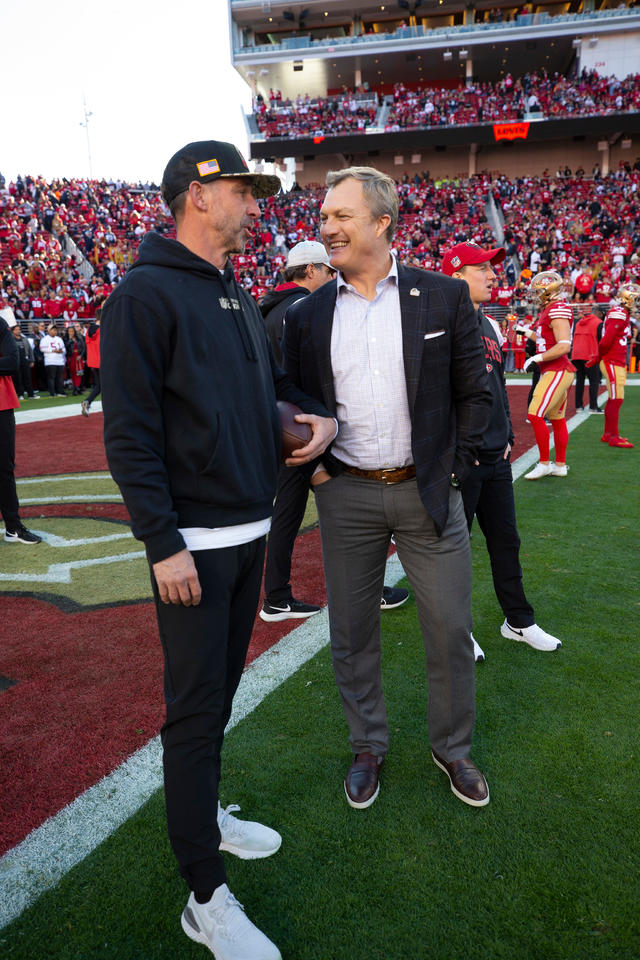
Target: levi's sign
[510,131]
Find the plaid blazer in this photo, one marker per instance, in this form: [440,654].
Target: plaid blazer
[447,388]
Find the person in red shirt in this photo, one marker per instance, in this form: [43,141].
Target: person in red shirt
[553,343]
[14,530]
[584,355]
[613,359]
[93,361]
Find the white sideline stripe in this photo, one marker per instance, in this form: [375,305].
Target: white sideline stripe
[71,476]
[54,413]
[54,848]
[49,852]
[78,498]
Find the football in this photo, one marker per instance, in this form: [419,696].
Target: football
[294,434]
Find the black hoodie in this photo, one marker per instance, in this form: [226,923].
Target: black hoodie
[273,308]
[189,389]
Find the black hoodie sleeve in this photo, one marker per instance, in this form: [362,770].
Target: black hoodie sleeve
[9,359]
[134,355]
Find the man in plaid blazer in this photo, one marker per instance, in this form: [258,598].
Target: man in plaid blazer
[394,353]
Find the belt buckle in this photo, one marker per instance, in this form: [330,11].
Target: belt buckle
[390,470]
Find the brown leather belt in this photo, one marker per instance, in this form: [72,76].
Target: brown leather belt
[388,475]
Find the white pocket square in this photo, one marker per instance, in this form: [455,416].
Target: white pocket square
[436,333]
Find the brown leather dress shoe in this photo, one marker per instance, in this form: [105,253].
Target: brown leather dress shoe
[361,785]
[467,782]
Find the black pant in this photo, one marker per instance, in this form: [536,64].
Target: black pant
[488,493]
[95,389]
[288,511]
[205,648]
[55,379]
[535,376]
[593,375]
[22,378]
[8,493]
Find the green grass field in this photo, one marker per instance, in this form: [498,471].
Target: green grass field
[548,871]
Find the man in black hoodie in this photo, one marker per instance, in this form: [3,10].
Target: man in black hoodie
[192,434]
[488,490]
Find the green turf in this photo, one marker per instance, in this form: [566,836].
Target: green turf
[548,871]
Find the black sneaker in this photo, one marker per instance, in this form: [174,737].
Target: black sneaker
[21,535]
[290,609]
[393,597]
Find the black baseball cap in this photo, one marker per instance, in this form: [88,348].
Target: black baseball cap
[207,160]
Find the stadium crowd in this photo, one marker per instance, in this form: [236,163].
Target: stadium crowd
[538,94]
[587,228]
[305,116]
[544,95]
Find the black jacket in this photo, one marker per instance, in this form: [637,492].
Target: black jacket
[447,390]
[273,308]
[189,389]
[499,430]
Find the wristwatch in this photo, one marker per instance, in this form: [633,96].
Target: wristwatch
[455,482]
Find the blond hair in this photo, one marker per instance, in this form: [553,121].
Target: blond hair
[378,189]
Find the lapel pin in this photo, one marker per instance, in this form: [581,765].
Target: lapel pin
[414,292]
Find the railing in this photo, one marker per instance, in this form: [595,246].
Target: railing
[306,41]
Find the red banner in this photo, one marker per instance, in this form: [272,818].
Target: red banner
[510,131]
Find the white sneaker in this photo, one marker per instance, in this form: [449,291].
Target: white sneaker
[244,838]
[540,470]
[478,652]
[532,635]
[222,925]
[559,471]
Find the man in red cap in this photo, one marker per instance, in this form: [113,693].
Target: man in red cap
[487,491]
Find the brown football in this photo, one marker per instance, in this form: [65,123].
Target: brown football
[294,434]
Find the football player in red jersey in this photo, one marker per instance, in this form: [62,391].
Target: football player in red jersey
[613,359]
[553,343]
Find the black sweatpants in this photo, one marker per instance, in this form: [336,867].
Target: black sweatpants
[488,493]
[593,375]
[288,512]
[205,648]
[8,493]
[55,379]
[95,389]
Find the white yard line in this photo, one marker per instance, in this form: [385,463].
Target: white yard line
[24,415]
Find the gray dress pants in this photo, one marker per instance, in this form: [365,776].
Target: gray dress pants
[357,518]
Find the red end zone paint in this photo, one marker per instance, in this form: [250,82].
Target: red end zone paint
[69,445]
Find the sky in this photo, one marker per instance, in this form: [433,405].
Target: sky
[154,75]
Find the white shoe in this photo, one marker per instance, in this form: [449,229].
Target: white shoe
[478,652]
[532,635]
[244,838]
[559,471]
[540,470]
[222,925]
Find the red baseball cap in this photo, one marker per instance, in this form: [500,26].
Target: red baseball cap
[465,254]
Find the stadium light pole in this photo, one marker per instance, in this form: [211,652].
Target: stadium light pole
[85,124]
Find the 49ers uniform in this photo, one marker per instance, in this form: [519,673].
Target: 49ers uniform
[613,364]
[556,376]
